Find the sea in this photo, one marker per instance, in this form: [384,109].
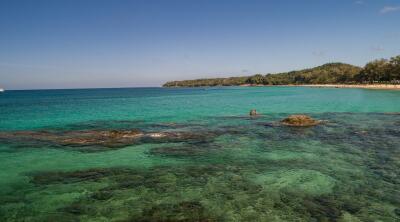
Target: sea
[195,154]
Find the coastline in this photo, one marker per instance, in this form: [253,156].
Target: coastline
[360,86]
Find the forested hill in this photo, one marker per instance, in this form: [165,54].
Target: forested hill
[330,73]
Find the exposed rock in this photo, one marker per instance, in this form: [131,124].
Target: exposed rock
[156,135]
[116,134]
[107,138]
[253,112]
[103,140]
[392,113]
[180,136]
[300,120]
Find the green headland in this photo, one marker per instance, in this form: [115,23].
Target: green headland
[382,71]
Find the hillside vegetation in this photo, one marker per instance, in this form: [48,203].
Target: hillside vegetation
[377,71]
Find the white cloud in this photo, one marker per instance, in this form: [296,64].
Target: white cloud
[388,9]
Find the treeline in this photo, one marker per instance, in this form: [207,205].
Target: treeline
[378,71]
[381,70]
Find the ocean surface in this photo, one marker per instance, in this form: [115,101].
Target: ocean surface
[160,154]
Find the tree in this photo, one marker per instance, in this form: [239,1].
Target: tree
[375,71]
[331,73]
[256,79]
[394,68]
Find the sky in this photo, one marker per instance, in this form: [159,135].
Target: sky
[138,43]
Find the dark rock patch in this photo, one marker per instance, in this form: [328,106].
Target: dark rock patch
[183,211]
[102,140]
[53,177]
[176,151]
[253,112]
[300,121]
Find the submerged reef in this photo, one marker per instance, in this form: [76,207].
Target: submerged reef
[212,192]
[222,169]
[183,150]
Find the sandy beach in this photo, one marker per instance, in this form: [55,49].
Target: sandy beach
[363,86]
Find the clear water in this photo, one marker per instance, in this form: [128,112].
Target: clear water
[230,167]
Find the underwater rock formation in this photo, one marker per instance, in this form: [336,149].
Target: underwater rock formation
[226,169]
[300,120]
[106,138]
[186,150]
[103,140]
[176,151]
[182,211]
[189,193]
[61,177]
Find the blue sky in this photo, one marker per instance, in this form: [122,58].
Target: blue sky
[106,43]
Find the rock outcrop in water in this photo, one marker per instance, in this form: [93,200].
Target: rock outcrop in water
[113,138]
[76,137]
[300,121]
[253,112]
[102,140]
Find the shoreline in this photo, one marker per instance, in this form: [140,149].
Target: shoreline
[360,86]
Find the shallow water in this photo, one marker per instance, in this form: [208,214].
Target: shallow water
[214,164]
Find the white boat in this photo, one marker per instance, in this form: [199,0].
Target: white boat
[1,90]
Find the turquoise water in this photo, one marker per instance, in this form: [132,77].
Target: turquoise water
[213,162]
